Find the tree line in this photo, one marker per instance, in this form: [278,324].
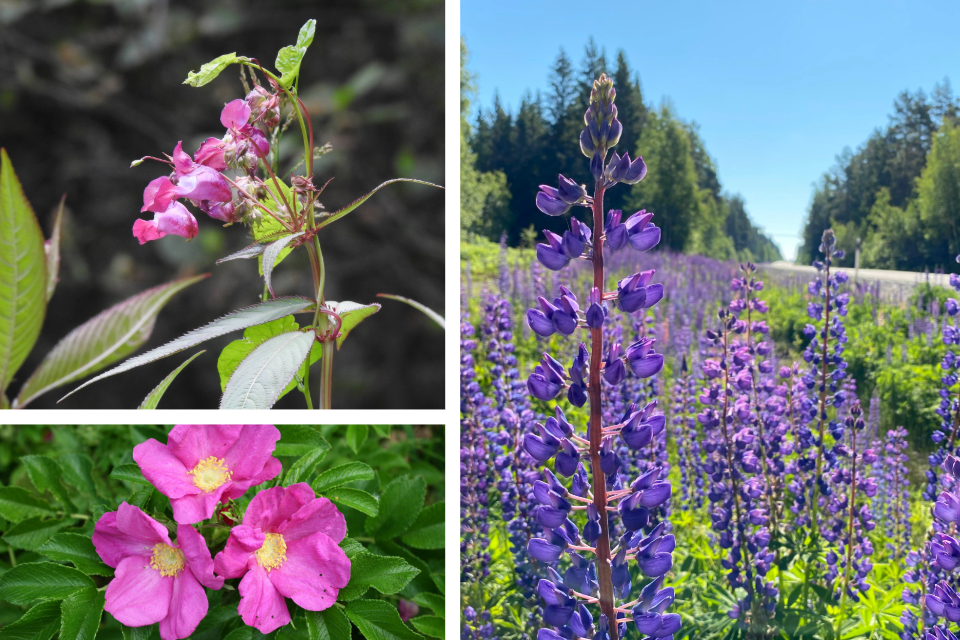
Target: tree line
[899,192]
[505,156]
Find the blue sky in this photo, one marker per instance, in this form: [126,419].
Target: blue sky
[778,88]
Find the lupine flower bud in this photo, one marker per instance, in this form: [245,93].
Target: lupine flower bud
[596,312]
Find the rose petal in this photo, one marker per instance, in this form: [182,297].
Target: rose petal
[233,561]
[135,523]
[313,573]
[261,605]
[113,545]
[195,550]
[138,595]
[318,515]
[163,469]
[251,450]
[193,509]
[191,443]
[188,606]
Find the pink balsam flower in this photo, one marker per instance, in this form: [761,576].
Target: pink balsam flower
[288,547]
[155,580]
[202,465]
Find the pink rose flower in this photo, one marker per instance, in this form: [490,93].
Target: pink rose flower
[155,580]
[202,465]
[288,547]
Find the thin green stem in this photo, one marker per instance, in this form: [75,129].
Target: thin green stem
[306,385]
[326,375]
[13,558]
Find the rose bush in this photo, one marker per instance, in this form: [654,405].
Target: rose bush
[209,531]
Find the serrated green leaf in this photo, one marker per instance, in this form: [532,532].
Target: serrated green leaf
[31,581]
[51,251]
[351,547]
[427,531]
[17,505]
[344,474]
[45,475]
[379,620]
[265,373]
[129,473]
[271,255]
[153,398]
[329,624]
[235,352]
[386,574]
[31,533]
[23,274]
[210,70]
[77,470]
[80,614]
[234,321]
[355,498]
[107,337]
[251,251]
[400,504]
[77,549]
[429,625]
[302,468]
[431,601]
[383,430]
[39,623]
[298,440]
[422,308]
[351,314]
[356,436]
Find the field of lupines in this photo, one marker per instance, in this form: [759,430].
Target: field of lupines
[687,455]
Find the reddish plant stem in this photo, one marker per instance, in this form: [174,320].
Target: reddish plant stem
[604,568]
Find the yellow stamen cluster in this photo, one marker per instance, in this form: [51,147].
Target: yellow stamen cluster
[166,559]
[273,553]
[210,473]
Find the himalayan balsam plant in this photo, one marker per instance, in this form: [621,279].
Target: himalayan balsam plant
[220,533]
[237,180]
[592,596]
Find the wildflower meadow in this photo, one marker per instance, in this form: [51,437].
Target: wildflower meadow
[216,531]
[660,445]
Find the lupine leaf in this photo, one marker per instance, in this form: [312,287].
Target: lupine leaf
[359,500]
[17,505]
[386,574]
[356,436]
[153,398]
[78,549]
[297,440]
[400,504]
[336,215]
[51,250]
[270,255]
[351,314]
[329,624]
[234,321]
[379,620]
[80,614]
[430,313]
[432,601]
[39,623]
[31,581]
[32,533]
[302,468]
[264,374]
[210,70]
[251,251]
[429,625]
[344,474]
[235,352]
[45,474]
[107,337]
[129,473]
[427,531]
[23,274]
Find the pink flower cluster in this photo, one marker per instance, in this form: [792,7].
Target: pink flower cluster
[199,179]
[287,545]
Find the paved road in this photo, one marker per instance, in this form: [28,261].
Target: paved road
[891,282]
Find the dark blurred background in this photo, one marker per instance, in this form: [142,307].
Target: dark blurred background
[87,87]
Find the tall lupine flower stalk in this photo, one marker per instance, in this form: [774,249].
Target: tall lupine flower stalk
[818,354]
[943,550]
[896,486]
[604,580]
